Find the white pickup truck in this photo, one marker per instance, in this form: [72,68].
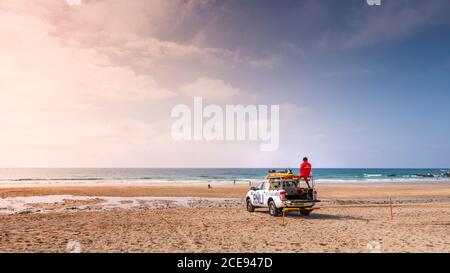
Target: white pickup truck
[277,194]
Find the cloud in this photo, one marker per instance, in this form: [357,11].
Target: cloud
[153,49]
[72,91]
[292,47]
[136,32]
[269,62]
[212,89]
[392,21]
[36,66]
[58,101]
[327,26]
[127,28]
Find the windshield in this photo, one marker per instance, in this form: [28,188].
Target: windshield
[259,186]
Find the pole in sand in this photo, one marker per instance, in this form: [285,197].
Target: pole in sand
[391,208]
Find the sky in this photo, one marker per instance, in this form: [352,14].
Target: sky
[91,83]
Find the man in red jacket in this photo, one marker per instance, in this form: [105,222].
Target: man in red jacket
[305,171]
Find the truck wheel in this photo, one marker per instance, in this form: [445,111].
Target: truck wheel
[304,212]
[280,212]
[250,207]
[273,209]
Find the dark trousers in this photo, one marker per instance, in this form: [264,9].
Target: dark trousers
[306,180]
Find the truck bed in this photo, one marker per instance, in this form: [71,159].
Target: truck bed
[299,194]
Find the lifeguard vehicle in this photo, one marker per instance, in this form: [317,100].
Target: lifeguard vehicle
[282,190]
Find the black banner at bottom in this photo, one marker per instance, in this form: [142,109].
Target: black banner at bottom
[230,262]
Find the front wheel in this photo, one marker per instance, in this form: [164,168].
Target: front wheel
[273,209]
[250,207]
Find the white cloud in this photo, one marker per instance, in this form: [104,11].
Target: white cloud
[393,20]
[210,89]
[55,98]
[269,62]
[71,93]
[36,66]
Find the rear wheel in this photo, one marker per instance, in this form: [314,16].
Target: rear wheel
[305,212]
[250,207]
[273,209]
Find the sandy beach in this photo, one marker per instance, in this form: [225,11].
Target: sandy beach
[141,126]
[193,218]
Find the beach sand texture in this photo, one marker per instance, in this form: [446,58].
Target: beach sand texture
[357,226]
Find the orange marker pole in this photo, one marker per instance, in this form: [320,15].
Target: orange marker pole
[392,213]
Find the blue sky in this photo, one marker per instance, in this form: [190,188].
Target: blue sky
[381,101]
[93,85]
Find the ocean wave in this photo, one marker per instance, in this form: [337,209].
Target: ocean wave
[373,175]
[384,180]
[219,176]
[118,181]
[54,179]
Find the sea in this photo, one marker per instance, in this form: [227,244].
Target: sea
[210,175]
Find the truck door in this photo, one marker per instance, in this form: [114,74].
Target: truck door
[257,195]
[265,194]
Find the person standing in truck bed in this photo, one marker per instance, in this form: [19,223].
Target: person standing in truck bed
[305,171]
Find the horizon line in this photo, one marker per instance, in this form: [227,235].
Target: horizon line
[280,168]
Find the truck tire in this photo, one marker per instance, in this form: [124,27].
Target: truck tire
[305,212]
[273,210]
[280,211]
[250,207]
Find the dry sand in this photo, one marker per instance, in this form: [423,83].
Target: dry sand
[416,227]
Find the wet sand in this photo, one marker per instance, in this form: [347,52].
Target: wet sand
[361,226]
[325,191]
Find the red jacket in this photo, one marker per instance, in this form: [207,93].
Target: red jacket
[305,169]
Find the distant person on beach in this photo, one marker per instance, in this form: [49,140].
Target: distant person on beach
[305,170]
